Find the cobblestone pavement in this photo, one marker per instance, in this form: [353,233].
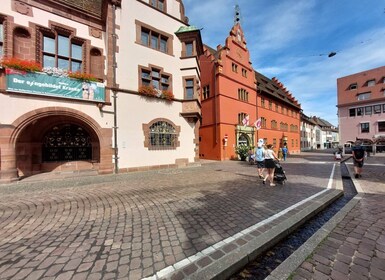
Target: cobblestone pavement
[171,223]
[355,247]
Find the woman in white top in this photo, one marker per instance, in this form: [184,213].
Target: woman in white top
[270,156]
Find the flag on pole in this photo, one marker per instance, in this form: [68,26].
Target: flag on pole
[258,124]
[245,121]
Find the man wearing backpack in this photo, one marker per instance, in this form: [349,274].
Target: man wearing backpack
[358,153]
[260,160]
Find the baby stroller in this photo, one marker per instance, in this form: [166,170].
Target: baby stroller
[279,174]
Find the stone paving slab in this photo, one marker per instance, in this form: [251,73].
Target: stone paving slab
[352,244]
[166,224]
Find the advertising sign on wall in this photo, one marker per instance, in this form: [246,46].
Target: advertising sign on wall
[44,84]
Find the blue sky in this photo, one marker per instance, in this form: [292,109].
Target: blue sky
[291,40]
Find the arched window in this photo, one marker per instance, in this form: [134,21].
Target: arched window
[161,134]
[243,140]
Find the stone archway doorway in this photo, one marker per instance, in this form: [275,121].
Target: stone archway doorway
[56,143]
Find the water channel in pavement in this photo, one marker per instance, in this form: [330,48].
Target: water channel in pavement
[262,266]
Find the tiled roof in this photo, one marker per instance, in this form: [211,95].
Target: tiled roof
[275,88]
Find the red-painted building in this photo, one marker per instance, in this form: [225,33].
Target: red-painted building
[234,97]
[228,96]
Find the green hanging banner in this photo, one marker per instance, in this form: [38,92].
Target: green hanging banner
[44,84]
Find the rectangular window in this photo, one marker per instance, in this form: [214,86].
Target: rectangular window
[352,112]
[368,110]
[263,102]
[158,4]
[206,92]
[381,126]
[62,53]
[364,127]
[360,111]
[244,72]
[377,109]
[155,78]
[234,67]
[189,49]
[189,88]
[241,117]
[153,40]
[270,105]
[243,95]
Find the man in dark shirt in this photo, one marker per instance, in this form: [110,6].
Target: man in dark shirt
[358,153]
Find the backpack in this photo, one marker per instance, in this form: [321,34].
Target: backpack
[259,154]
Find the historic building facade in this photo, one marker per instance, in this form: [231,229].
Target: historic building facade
[361,107]
[280,114]
[50,122]
[241,106]
[228,97]
[127,100]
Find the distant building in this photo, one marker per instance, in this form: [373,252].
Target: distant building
[308,133]
[329,136]
[280,114]
[361,107]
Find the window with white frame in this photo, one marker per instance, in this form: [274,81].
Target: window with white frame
[381,126]
[377,109]
[371,83]
[368,110]
[364,127]
[206,92]
[352,112]
[360,111]
[363,96]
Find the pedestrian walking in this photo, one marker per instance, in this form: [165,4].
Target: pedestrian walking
[260,160]
[270,156]
[285,151]
[358,153]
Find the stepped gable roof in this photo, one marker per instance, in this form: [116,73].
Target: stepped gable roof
[275,88]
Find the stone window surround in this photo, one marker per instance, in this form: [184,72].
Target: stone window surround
[146,132]
[170,37]
[196,84]
[149,68]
